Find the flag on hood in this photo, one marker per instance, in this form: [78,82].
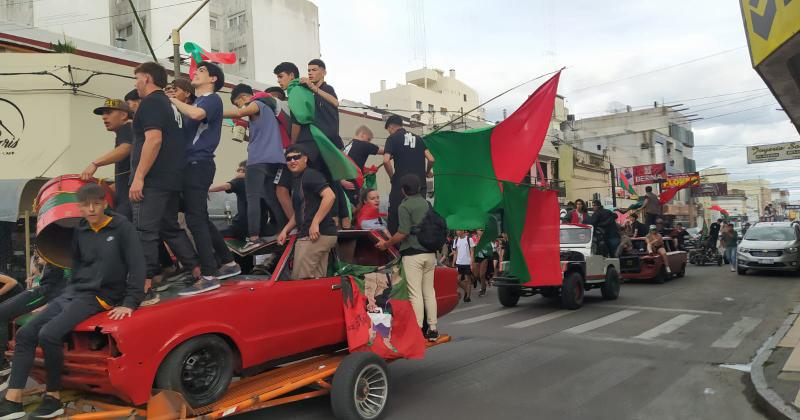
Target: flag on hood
[390,330]
[474,161]
[530,218]
[303,108]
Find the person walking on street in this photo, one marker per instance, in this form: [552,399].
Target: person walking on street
[117,118]
[158,157]
[418,263]
[404,153]
[606,221]
[312,199]
[464,255]
[652,207]
[728,240]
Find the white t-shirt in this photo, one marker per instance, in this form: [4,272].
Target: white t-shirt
[462,247]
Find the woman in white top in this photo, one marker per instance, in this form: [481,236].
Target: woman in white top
[464,255]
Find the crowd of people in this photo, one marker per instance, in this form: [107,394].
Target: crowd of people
[166,136]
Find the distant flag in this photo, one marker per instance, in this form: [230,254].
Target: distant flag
[198,54]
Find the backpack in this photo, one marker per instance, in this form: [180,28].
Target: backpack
[431,232]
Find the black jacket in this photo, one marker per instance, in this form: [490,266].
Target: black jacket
[108,264]
[606,220]
[641,229]
[52,281]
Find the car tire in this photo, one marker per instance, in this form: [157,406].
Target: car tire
[179,370]
[572,291]
[360,389]
[508,295]
[610,288]
[682,272]
[741,271]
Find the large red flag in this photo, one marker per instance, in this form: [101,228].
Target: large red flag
[517,140]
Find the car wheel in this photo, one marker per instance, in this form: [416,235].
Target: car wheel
[360,387]
[508,295]
[683,271]
[572,291]
[661,277]
[610,288]
[200,369]
[741,271]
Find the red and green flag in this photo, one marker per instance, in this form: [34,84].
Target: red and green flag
[198,54]
[390,330]
[303,108]
[469,164]
[531,220]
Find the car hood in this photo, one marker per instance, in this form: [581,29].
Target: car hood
[771,245]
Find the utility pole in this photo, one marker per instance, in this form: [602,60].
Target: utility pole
[176,41]
[141,28]
[613,185]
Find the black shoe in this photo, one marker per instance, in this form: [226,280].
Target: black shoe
[11,410]
[5,367]
[482,293]
[466,299]
[432,335]
[49,408]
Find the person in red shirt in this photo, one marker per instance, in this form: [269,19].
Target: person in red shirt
[580,214]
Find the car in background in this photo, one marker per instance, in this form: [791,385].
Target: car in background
[639,264]
[771,246]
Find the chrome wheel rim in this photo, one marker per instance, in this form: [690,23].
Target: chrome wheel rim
[371,391]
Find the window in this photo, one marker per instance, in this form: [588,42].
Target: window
[443,111]
[125,31]
[213,23]
[419,105]
[465,97]
[236,20]
[430,107]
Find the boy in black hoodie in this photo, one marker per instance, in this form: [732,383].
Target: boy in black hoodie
[108,275]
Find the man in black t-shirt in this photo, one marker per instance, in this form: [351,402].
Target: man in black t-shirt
[312,200]
[359,150]
[117,118]
[157,162]
[404,153]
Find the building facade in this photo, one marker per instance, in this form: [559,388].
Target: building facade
[432,98]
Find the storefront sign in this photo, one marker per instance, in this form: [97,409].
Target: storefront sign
[793,207]
[713,189]
[685,180]
[773,152]
[12,124]
[649,174]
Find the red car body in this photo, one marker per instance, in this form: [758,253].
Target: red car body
[641,265]
[263,319]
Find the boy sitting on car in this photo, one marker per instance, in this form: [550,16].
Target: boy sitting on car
[108,275]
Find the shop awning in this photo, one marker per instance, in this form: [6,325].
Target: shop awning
[17,195]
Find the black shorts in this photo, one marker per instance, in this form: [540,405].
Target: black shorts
[480,259]
[283,178]
[464,269]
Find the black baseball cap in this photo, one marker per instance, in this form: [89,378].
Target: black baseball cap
[393,119]
[113,105]
[132,96]
[215,71]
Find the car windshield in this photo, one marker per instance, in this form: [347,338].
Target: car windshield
[770,233]
[575,236]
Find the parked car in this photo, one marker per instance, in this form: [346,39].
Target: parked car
[194,345]
[583,269]
[770,246]
[640,264]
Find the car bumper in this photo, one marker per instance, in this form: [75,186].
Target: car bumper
[786,262]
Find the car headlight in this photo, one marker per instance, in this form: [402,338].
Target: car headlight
[791,250]
[744,249]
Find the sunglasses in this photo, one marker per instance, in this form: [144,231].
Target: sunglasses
[292,158]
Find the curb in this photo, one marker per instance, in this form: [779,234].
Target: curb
[768,399]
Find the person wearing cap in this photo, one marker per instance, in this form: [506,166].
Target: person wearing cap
[265,162]
[655,245]
[133,100]
[404,153]
[202,128]
[117,118]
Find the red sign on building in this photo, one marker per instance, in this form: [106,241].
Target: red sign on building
[649,174]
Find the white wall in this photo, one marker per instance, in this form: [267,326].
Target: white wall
[162,21]
[57,16]
[284,30]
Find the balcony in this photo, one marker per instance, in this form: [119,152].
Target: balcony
[553,184]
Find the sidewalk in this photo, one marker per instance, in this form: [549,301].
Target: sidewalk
[775,371]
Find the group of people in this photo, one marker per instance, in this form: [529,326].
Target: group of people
[166,135]
[475,265]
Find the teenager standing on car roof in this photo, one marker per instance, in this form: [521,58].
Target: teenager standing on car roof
[108,275]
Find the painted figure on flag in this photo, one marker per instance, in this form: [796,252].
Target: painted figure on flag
[378,289]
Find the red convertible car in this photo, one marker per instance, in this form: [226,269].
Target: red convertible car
[642,265]
[195,345]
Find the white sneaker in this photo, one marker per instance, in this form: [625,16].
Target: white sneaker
[668,270]
[733,269]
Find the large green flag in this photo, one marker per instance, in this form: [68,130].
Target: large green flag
[302,106]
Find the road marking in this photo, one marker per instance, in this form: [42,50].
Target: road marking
[653,308]
[734,336]
[540,319]
[601,322]
[667,344]
[469,308]
[490,315]
[667,327]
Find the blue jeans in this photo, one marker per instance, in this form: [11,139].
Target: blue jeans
[730,254]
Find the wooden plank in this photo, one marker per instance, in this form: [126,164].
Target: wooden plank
[792,337]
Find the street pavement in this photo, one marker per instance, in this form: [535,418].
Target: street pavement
[655,353]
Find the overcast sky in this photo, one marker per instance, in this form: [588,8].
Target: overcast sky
[496,45]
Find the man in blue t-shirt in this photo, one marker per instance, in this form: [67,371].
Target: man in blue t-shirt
[201,129]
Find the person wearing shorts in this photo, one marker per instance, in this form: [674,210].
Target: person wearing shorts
[464,255]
